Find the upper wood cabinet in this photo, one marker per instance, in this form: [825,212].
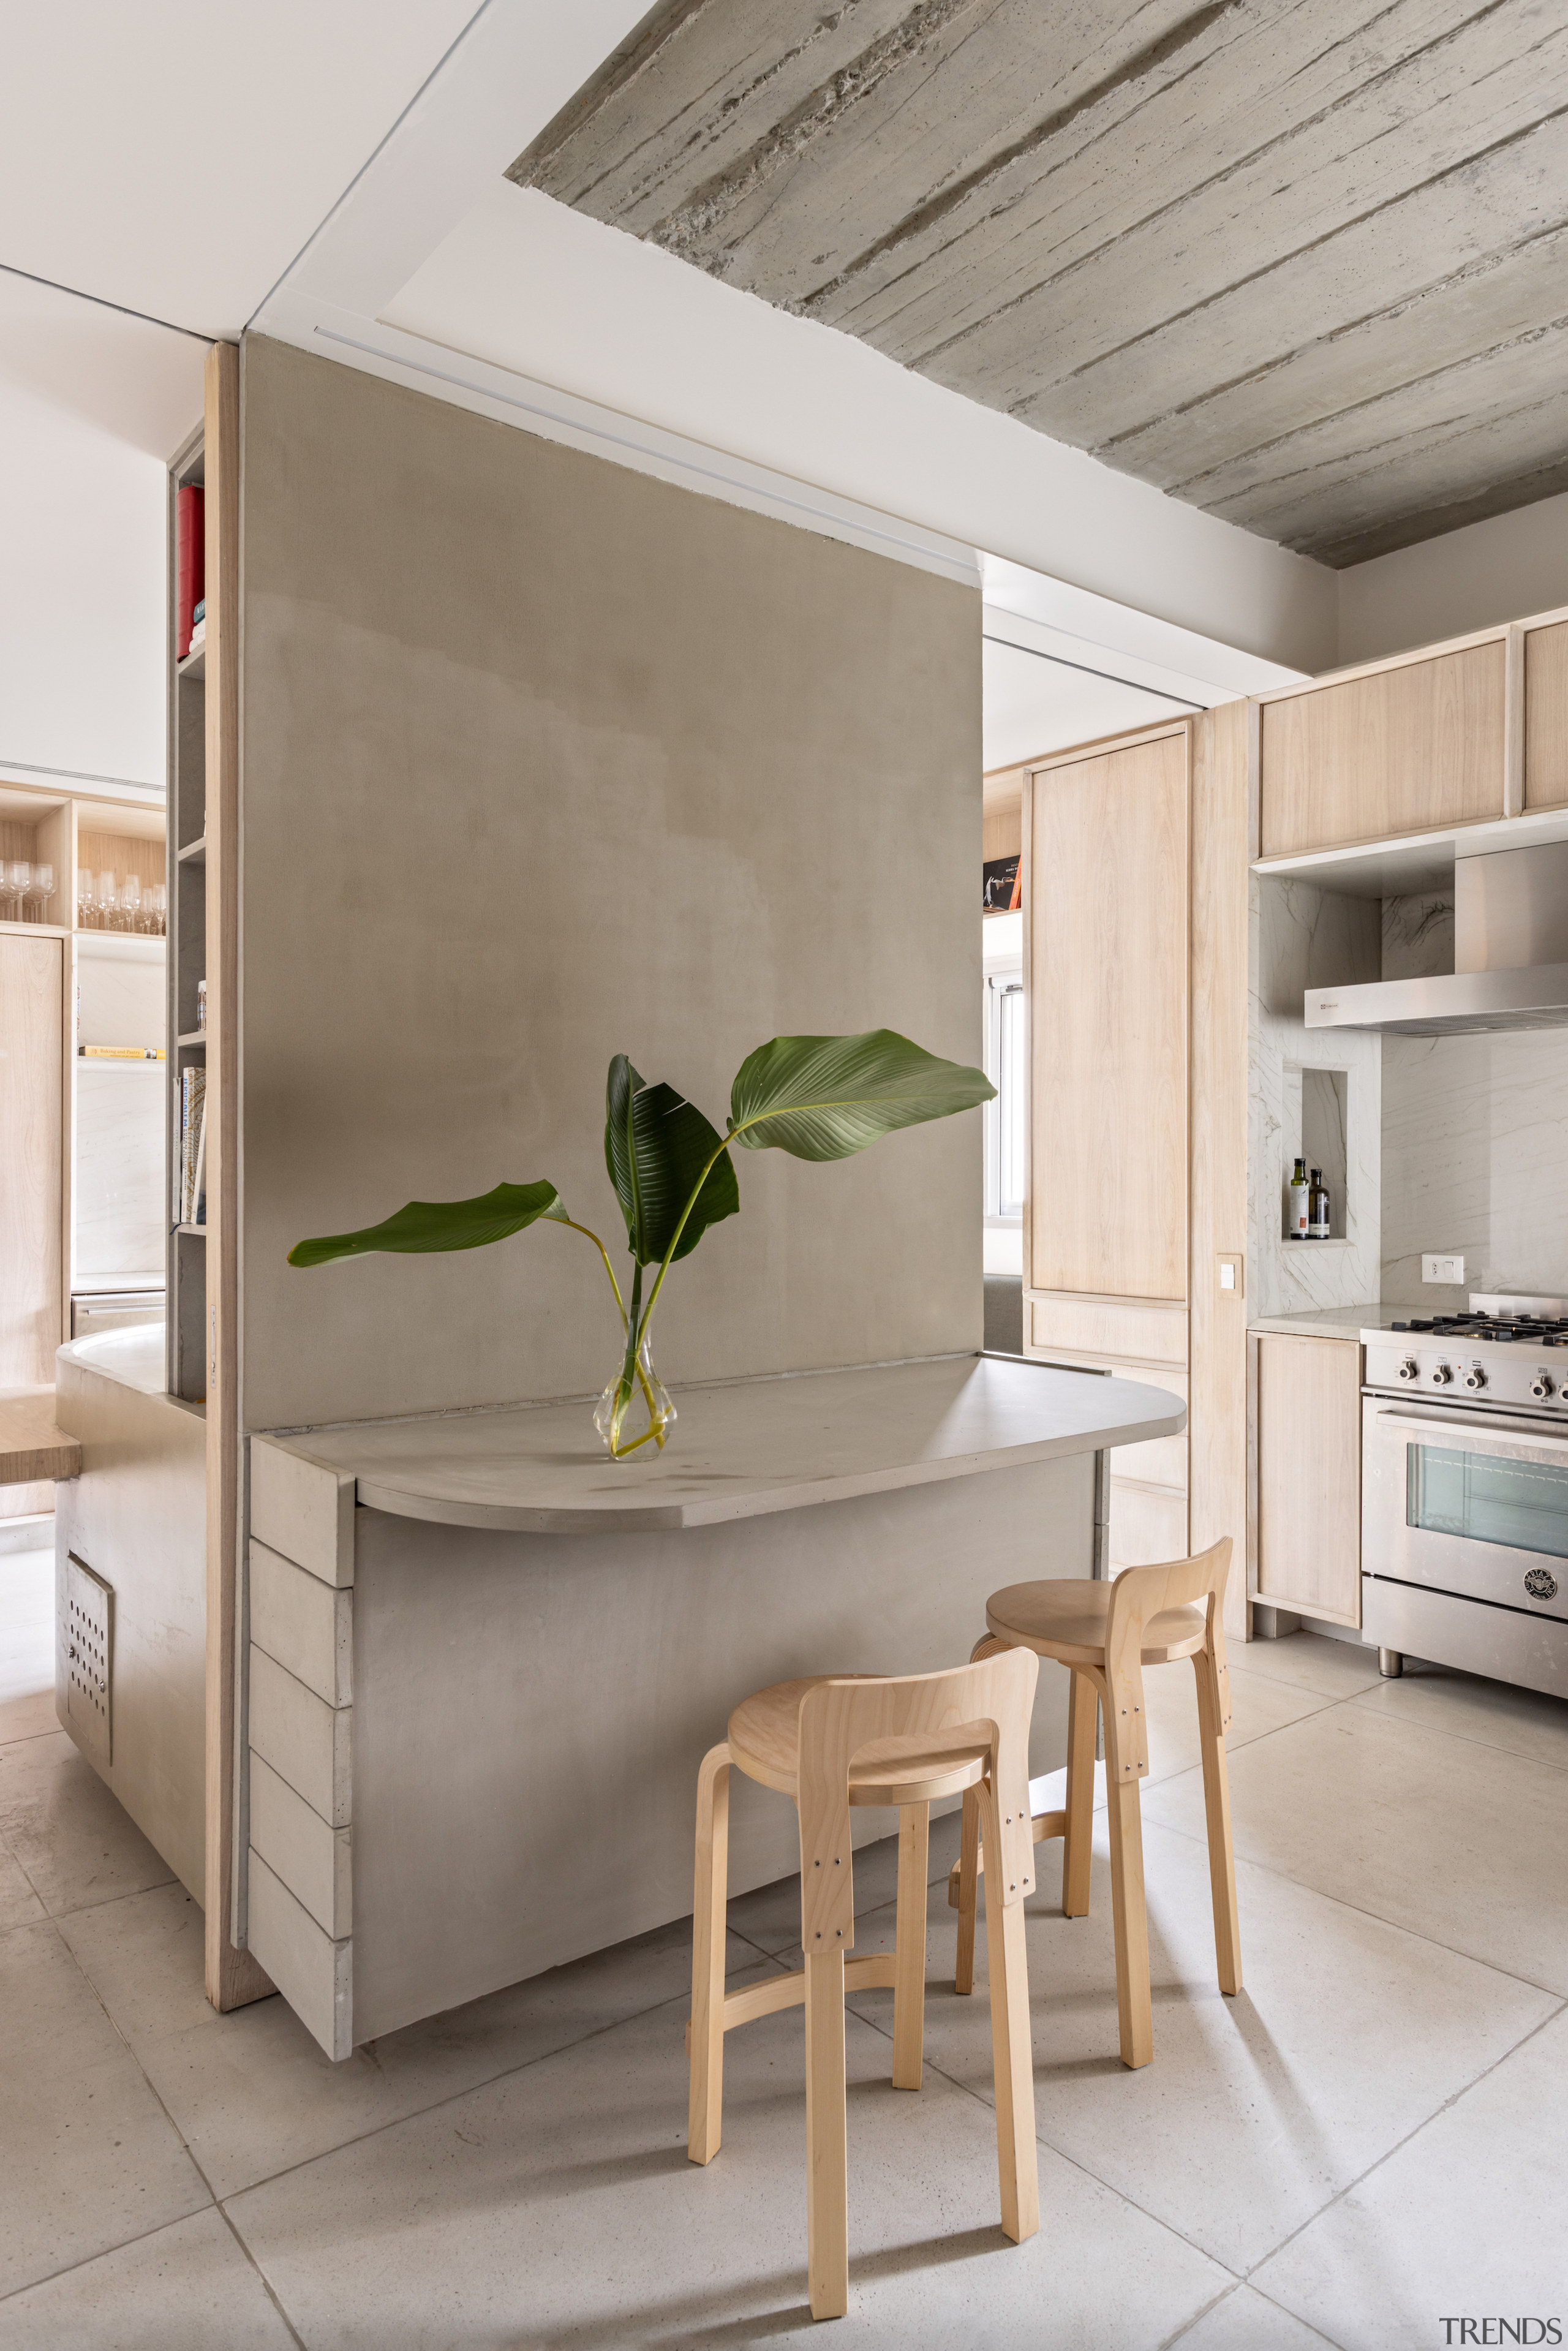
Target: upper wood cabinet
[1411,749]
[1546,716]
[1106,889]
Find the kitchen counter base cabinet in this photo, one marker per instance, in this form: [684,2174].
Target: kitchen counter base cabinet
[1306,1476]
[510,1784]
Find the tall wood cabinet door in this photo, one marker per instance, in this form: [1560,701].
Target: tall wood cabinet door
[1107,906]
[1406,750]
[32,1160]
[1546,716]
[1308,1435]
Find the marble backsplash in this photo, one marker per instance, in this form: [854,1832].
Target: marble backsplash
[1306,937]
[1473,1131]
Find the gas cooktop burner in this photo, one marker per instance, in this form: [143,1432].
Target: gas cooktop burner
[1497,1329]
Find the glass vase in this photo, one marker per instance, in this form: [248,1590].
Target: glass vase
[619,1416]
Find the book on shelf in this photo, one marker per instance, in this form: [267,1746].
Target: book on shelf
[120,1053]
[198,637]
[189,1199]
[190,566]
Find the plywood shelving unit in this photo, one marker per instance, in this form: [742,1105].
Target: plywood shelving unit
[204,914]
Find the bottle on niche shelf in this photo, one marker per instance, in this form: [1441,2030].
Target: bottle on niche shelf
[1296,1230]
[1318,1208]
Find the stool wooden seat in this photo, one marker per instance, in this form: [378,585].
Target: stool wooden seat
[1107,1633]
[831,1742]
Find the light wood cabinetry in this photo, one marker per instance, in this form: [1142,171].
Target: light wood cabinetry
[1408,748]
[1107,891]
[1136,924]
[1546,716]
[1306,1446]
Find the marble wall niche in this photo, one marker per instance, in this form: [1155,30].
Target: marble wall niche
[1301,938]
[1473,1161]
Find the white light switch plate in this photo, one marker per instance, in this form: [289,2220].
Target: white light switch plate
[1450,1270]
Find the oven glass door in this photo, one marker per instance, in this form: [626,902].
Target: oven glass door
[1466,1504]
[1521,1504]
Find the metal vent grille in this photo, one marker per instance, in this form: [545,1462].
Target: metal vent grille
[88,1657]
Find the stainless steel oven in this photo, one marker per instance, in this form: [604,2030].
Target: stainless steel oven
[1465,1536]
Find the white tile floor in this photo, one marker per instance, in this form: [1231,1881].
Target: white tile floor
[1372,2138]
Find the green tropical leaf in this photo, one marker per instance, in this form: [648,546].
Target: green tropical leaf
[656,1144]
[441,1225]
[828,1097]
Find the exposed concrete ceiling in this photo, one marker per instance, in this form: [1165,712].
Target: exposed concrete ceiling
[1301,263]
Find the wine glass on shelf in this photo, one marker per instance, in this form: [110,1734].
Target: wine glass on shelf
[42,890]
[84,899]
[106,898]
[18,881]
[130,901]
[158,895]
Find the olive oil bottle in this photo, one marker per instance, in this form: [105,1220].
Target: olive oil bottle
[1301,1206]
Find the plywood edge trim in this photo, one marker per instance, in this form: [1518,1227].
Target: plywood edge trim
[1070,1359]
[1496,635]
[1098,746]
[1149,1486]
[1103,1298]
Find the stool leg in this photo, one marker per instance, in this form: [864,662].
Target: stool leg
[1012,2057]
[1216,1811]
[827,2148]
[969,1877]
[706,2109]
[909,1966]
[1078,1847]
[1135,2009]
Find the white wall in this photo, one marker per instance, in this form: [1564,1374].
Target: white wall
[91,405]
[1490,571]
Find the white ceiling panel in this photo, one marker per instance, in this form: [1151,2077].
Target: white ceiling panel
[1035,704]
[174,157]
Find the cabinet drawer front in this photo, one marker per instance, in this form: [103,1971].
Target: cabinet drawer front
[1147,1526]
[1162,1460]
[1546,716]
[1406,750]
[1106,1327]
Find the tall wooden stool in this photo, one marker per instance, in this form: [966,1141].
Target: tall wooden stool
[1107,1633]
[829,1742]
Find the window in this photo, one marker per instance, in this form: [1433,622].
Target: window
[1006,1066]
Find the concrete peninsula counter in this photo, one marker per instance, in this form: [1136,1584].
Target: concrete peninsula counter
[484,1661]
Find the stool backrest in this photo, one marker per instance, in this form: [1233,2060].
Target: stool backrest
[1138,1595]
[990,1701]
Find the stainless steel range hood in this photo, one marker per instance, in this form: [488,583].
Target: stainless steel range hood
[1510,956]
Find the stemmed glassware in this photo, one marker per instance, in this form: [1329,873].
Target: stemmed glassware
[130,902]
[43,890]
[18,881]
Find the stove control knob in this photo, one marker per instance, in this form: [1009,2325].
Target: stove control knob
[1441,1374]
[1475,1377]
[1409,1369]
[1540,1386]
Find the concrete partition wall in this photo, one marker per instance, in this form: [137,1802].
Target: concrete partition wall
[543,758]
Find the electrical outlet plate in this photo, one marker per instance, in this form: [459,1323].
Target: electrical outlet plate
[1228,1272]
[1449,1270]
[85,1639]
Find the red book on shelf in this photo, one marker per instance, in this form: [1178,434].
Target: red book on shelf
[190,566]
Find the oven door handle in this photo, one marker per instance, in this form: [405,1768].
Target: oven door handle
[1493,1424]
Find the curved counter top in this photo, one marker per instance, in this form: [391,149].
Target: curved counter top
[739,1449]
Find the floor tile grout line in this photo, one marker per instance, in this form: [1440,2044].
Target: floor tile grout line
[1389,2153]
[1465,1738]
[142,2237]
[451,2097]
[1074,2162]
[214,2201]
[1359,1910]
[1172,2342]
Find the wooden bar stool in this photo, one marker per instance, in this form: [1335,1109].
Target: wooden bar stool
[1107,1633]
[829,1742]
